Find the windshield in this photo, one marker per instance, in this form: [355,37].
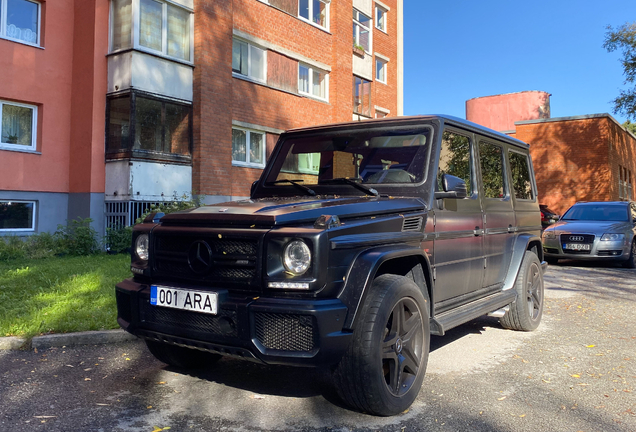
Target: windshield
[599,212]
[364,157]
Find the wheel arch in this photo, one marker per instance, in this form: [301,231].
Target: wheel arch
[523,243]
[403,260]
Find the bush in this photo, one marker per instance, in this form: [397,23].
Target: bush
[12,248]
[77,238]
[119,239]
[184,202]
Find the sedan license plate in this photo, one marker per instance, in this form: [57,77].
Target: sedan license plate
[577,246]
[197,301]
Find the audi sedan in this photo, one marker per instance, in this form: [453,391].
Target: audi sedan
[603,231]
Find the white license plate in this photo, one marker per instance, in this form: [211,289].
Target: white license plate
[198,301]
[577,246]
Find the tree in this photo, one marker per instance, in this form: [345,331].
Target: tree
[623,39]
[630,126]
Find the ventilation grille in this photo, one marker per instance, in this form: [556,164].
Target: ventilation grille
[412,224]
[285,332]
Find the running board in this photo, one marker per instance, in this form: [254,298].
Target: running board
[443,322]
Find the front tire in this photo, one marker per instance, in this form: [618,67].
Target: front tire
[181,357]
[526,311]
[382,371]
[631,262]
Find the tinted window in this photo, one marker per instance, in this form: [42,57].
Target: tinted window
[491,162]
[597,212]
[520,170]
[454,159]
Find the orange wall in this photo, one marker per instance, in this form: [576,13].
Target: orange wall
[45,77]
[500,112]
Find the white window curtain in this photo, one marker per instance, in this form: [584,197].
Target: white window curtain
[150,26]
[178,33]
[17,125]
[121,24]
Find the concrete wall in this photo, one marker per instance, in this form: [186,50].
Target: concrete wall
[51,209]
[500,112]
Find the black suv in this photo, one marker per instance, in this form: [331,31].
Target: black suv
[358,242]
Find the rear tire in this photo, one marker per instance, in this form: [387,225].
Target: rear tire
[525,312]
[631,262]
[181,357]
[382,371]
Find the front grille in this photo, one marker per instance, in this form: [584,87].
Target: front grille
[234,258]
[582,238]
[609,252]
[577,252]
[551,250]
[285,332]
[223,324]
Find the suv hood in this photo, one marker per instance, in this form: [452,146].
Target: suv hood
[281,211]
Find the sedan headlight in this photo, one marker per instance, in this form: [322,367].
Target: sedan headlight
[141,246]
[297,257]
[613,237]
[548,235]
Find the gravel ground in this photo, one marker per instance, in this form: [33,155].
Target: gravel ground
[577,372]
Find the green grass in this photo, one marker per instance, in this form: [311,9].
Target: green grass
[60,295]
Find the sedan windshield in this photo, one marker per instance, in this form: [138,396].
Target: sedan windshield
[354,158]
[596,212]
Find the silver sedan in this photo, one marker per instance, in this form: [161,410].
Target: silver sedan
[594,231]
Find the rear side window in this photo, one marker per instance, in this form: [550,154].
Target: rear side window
[454,159]
[491,162]
[520,170]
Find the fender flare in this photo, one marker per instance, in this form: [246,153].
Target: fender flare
[362,272]
[522,244]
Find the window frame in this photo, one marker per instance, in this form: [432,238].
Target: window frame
[356,37]
[385,69]
[249,62]
[3,24]
[311,82]
[513,192]
[33,216]
[34,128]
[135,29]
[137,153]
[377,20]
[247,163]
[361,113]
[506,193]
[311,7]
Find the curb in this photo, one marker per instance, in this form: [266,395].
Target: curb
[67,339]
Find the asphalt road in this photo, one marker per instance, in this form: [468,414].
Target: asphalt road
[577,372]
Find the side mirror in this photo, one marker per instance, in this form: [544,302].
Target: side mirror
[454,187]
[253,188]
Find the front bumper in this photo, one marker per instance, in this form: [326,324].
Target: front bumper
[600,251]
[273,331]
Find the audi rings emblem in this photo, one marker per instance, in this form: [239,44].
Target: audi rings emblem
[577,238]
[200,257]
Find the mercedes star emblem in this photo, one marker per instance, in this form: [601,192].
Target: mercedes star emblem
[200,257]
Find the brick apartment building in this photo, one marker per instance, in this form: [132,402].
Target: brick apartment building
[581,158]
[110,105]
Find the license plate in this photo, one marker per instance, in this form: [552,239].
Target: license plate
[577,246]
[197,301]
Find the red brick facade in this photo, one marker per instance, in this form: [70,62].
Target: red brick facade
[221,98]
[579,158]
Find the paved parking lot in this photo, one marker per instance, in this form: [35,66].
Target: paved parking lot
[577,372]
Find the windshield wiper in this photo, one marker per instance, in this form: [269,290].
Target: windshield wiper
[295,182]
[355,184]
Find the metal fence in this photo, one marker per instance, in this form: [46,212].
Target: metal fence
[120,214]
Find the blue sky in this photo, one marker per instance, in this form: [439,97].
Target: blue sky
[455,50]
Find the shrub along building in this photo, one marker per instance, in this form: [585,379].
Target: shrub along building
[581,158]
[196,93]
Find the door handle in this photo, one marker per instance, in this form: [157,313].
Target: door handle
[511,229]
[478,231]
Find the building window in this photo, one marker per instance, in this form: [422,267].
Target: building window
[361,30]
[380,18]
[160,26]
[18,127]
[312,81]
[624,184]
[314,11]
[248,148]
[143,126]
[249,60]
[361,96]
[17,215]
[380,70]
[20,21]
[381,112]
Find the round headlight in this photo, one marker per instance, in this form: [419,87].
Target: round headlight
[297,257]
[141,246]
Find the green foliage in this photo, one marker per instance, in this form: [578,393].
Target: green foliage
[491,162]
[35,246]
[77,238]
[118,240]
[59,294]
[455,158]
[183,202]
[623,39]
[630,126]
